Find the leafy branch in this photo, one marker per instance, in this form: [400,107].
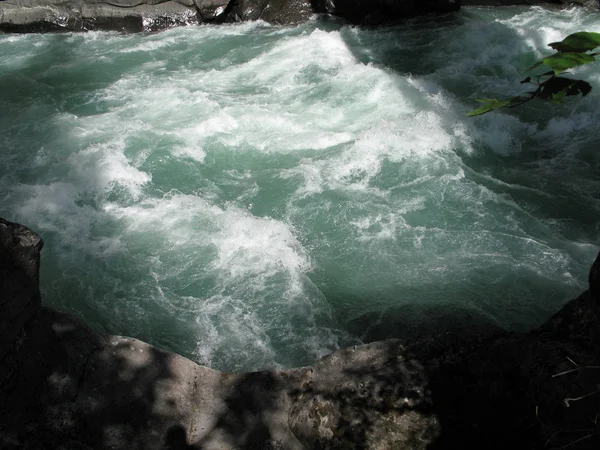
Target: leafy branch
[575,50]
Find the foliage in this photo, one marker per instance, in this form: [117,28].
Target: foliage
[573,51]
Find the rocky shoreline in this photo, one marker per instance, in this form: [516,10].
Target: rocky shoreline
[65,386]
[25,16]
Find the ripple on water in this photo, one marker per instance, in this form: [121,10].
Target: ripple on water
[256,196]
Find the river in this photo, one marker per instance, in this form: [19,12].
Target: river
[254,196]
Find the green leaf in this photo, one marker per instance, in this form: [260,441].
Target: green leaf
[537,64]
[583,41]
[559,62]
[557,97]
[571,53]
[489,104]
[556,88]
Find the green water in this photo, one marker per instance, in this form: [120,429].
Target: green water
[254,196]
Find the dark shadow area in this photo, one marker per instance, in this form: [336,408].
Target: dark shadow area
[415,321]
[247,403]
[176,439]
[67,385]
[19,269]
[377,12]
[512,390]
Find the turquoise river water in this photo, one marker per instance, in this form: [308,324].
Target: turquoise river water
[254,196]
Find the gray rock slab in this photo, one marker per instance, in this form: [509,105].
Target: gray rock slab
[122,15]
[372,396]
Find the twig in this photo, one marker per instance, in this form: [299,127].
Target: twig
[568,400]
[551,437]
[572,443]
[573,362]
[574,370]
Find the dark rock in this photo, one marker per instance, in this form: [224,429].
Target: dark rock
[274,11]
[546,3]
[76,389]
[367,12]
[376,12]
[373,12]
[19,281]
[579,320]
[594,279]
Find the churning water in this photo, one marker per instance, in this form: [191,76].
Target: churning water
[254,196]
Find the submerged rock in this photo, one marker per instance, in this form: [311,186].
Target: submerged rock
[64,386]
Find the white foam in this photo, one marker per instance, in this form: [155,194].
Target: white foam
[252,256]
[418,135]
[151,43]
[195,153]
[102,166]
[53,208]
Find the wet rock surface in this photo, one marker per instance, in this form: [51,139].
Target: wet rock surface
[64,386]
[119,15]
[151,15]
